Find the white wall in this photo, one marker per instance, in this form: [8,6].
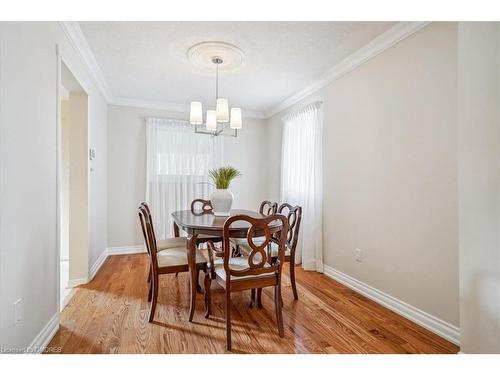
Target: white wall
[127,168]
[390,157]
[28,118]
[478,183]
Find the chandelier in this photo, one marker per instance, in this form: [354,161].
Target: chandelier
[219,121]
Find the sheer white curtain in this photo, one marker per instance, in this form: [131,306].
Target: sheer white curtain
[178,161]
[302,180]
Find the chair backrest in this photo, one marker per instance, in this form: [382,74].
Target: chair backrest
[259,260]
[204,207]
[294,216]
[268,208]
[148,232]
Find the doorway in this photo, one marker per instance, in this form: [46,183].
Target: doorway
[73,184]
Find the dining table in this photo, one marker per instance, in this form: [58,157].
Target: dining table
[197,224]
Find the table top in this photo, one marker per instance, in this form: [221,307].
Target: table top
[204,223]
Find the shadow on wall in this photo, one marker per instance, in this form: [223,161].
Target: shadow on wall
[483,336]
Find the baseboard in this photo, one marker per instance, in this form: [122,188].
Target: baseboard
[426,320]
[75,282]
[126,250]
[98,263]
[44,336]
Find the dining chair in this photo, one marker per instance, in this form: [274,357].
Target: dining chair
[294,216]
[177,240]
[235,274]
[241,244]
[166,261]
[203,207]
[266,208]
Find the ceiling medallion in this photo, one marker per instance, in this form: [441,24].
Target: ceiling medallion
[220,121]
[201,55]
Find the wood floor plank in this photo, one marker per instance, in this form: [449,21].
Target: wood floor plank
[110,315]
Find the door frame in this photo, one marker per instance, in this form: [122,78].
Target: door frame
[60,60]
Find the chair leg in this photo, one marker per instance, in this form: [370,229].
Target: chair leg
[252,299]
[259,298]
[292,280]
[150,291]
[228,318]
[155,283]
[150,283]
[208,297]
[199,289]
[279,315]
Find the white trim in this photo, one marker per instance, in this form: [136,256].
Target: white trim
[77,39]
[72,283]
[384,41]
[149,104]
[66,295]
[79,42]
[120,250]
[44,336]
[98,263]
[426,320]
[171,107]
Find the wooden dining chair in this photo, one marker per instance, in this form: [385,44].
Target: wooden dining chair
[235,274]
[201,207]
[166,243]
[204,207]
[266,208]
[294,216]
[170,260]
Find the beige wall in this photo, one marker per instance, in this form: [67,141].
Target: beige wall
[390,157]
[78,226]
[478,181]
[65,173]
[127,168]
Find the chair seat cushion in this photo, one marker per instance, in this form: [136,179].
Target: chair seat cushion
[245,250]
[237,264]
[170,243]
[243,241]
[177,256]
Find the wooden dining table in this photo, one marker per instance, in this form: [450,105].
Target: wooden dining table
[197,224]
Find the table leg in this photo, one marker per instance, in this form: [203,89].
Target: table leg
[193,273]
[176,230]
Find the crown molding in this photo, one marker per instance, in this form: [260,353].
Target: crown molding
[384,41]
[149,104]
[77,39]
[171,107]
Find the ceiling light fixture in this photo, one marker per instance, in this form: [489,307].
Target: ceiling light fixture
[216,121]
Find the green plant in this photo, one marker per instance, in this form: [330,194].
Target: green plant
[223,176]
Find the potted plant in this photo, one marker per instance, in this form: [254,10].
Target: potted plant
[221,197]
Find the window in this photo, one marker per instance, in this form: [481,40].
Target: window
[178,161]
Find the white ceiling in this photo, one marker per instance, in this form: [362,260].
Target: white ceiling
[147,61]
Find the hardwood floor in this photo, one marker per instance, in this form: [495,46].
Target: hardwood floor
[110,315]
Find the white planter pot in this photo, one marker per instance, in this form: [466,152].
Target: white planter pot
[222,200]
